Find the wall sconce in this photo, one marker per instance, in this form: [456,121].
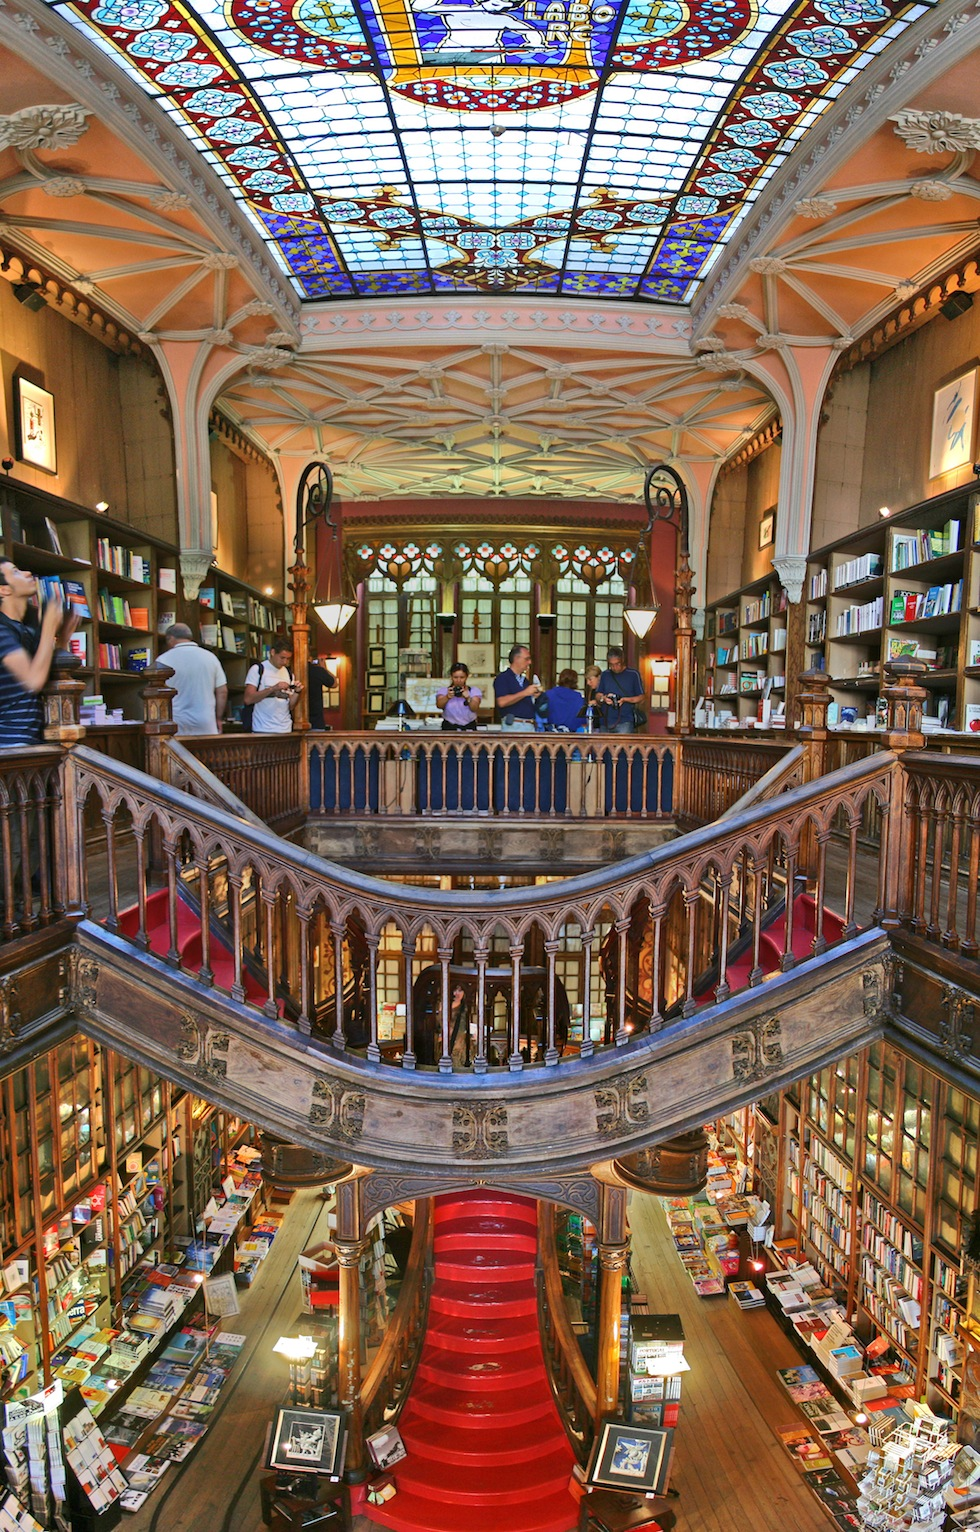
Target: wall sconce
[446,621]
[547,621]
[31,295]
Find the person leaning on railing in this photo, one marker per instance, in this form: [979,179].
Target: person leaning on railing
[460,702]
[26,650]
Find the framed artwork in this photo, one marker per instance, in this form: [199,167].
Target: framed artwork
[767,529]
[630,1457]
[376,702]
[953,411]
[308,1441]
[34,415]
[376,678]
[376,657]
[481,658]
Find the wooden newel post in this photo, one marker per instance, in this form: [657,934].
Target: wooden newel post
[810,722]
[62,699]
[905,701]
[299,584]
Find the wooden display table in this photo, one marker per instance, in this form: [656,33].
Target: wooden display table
[325,1509]
[606,1510]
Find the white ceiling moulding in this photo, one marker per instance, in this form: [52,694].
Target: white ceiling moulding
[62,54]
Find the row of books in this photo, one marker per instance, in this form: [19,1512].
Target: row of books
[235,604]
[118,610]
[753,646]
[909,548]
[219,636]
[758,609]
[867,566]
[917,605]
[817,587]
[123,561]
[892,1228]
[861,619]
[816,627]
[892,1261]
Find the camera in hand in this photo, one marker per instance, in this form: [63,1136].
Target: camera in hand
[457,691]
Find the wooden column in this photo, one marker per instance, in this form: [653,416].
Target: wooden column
[684,639]
[614,1251]
[158,720]
[350,1245]
[299,584]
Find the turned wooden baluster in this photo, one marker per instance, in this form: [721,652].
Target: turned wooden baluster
[373,941]
[445,955]
[481,955]
[516,1059]
[588,1046]
[551,949]
[408,956]
[338,933]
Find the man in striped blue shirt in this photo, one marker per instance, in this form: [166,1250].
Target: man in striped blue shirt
[26,652]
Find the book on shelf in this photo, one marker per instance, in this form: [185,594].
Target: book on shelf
[206,596]
[167,580]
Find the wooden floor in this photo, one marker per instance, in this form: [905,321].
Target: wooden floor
[730,1468]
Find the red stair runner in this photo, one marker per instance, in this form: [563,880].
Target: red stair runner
[486,1448]
[188,941]
[772,942]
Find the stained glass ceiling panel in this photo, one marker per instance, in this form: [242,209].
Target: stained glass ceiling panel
[599,148]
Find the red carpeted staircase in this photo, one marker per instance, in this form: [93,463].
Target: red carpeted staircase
[486,1448]
[772,942]
[188,941]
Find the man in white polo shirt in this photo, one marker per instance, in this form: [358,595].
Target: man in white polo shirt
[272,692]
[200,683]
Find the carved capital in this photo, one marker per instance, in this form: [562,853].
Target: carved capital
[349,1252]
[194,566]
[614,1257]
[791,569]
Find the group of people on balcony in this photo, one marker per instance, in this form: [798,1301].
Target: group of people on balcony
[612,699]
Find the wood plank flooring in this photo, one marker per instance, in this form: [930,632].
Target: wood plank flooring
[730,1468]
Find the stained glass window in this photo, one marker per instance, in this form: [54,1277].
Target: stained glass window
[599,148]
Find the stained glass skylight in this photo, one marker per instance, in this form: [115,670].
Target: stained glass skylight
[594,148]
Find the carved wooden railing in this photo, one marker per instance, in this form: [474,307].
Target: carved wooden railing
[718,772]
[262,770]
[569,776]
[783,774]
[572,1385]
[187,771]
[389,1377]
[294,916]
[32,843]
[940,867]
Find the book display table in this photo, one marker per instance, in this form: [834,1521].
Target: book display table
[606,1510]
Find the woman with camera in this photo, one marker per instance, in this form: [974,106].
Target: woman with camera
[460,702]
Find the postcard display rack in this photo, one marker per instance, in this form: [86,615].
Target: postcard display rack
[656,1364]
[61,1470]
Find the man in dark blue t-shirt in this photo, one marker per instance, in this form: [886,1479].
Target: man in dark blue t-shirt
[619,690]
[514,693]
[26,652]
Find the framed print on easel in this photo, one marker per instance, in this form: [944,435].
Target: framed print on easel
[309,1441]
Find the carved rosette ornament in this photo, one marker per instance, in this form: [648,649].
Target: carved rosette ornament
[44,127]
[931,191]
[937,132]
[815,207]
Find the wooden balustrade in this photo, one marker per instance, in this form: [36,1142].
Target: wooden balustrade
[505,775]
[389,1377]
[940,851]
[341,953]
[572,1384]
[263,770]
[717,772]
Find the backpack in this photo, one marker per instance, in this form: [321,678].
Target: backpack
[248,709]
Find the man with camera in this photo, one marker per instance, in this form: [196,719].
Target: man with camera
[272,692]
[514,693]
[460,702]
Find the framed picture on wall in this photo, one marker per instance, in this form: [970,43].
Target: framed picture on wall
[376,678]
[953,413]
[376,702]
[34,416]
[376,657]
[767,529]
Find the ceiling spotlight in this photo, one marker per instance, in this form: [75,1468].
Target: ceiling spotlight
[884,510]
[30,295]
[102,505]
[268,590]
